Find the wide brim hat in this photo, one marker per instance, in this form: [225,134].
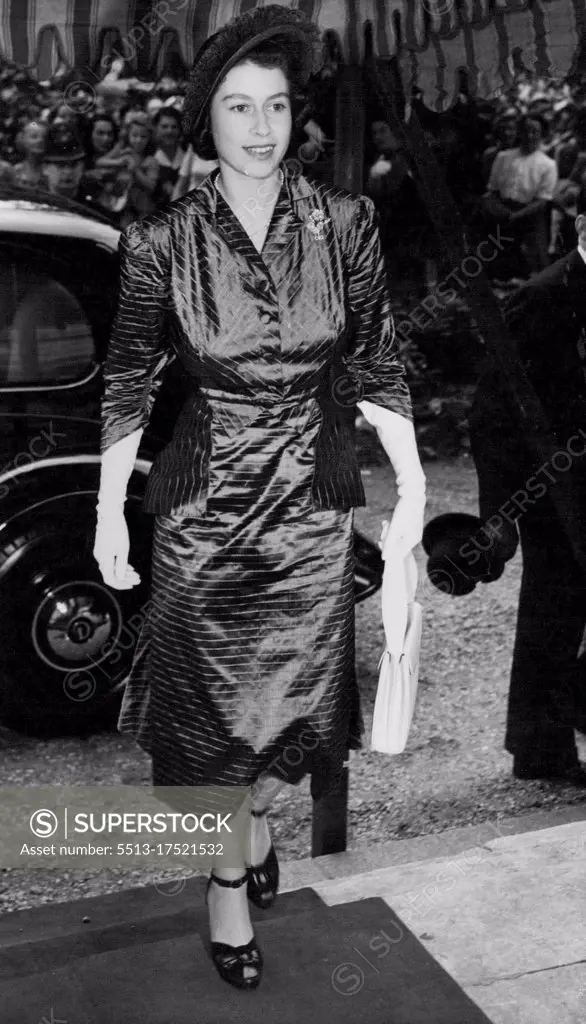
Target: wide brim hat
[232,43]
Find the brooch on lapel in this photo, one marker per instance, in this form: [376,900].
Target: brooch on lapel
[316,223]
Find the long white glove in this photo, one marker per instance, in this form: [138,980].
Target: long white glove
[397,436]
[112,543]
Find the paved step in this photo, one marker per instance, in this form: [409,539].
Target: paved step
[502,913]
[352,964]
[505,918]
[370,856]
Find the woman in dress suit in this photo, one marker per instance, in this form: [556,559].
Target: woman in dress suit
[270,291]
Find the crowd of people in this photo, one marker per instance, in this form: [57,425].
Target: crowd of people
[518,160]
[118,145]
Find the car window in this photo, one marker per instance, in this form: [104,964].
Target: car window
[45,335]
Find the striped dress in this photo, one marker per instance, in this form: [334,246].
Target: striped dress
[245,662]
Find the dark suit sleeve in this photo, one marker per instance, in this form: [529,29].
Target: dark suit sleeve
[526,318]
[501,455]
[539,317]
[373,360]
[137,353]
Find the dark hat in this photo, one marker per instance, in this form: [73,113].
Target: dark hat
[456,563]
[62,145]
[236,39]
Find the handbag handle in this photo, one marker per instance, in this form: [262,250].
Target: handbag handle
[397,593]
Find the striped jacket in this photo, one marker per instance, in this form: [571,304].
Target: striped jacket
[305,324]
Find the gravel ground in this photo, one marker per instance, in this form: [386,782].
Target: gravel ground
[454,771]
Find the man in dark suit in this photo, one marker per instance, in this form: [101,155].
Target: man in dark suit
[547,316]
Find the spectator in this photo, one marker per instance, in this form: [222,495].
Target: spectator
[562,131]
[404,223]
[103,135]
[577,172]
[65,115]
[390,169]
[169,154]
[571,163]
[28,173]
[100,182]
[521,187]
[505,138]
[137,170]
[192,172]
[63,163]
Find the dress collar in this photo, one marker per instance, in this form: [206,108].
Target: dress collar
[295,189]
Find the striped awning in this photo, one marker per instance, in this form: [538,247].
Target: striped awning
[432,38]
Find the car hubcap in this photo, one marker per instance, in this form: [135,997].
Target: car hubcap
[76,624]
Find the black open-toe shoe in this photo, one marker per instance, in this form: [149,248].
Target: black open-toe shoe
[263,879]
[231,961]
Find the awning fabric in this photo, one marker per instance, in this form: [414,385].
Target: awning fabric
[432,38]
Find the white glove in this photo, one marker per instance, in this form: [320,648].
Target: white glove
[112,543]
[111,548]
[405,529]
[397,436]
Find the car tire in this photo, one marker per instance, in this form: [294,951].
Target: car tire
[368,568]
[66,639]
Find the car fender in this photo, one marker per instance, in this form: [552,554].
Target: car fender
[38,484]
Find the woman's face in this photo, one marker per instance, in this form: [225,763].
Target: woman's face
[167,131]
[102,136]
[138,137]
[251,119]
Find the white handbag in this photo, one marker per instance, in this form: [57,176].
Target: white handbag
[399,664]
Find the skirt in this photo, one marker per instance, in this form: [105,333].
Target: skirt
[245,662]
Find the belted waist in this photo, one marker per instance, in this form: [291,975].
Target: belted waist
[259,401]
[214,419]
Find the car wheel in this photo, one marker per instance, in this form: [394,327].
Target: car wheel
[368,568]
[66,639]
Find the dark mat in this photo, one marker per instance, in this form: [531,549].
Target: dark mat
[352,963]
[138,905]
[35,950]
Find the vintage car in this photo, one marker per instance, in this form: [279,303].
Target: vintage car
[66,639]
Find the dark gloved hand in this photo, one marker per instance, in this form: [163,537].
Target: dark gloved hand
[463,551]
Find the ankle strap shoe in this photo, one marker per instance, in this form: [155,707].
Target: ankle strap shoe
[240,966]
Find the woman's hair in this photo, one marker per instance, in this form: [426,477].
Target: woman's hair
[141,118]
[90,130]
[265,55]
